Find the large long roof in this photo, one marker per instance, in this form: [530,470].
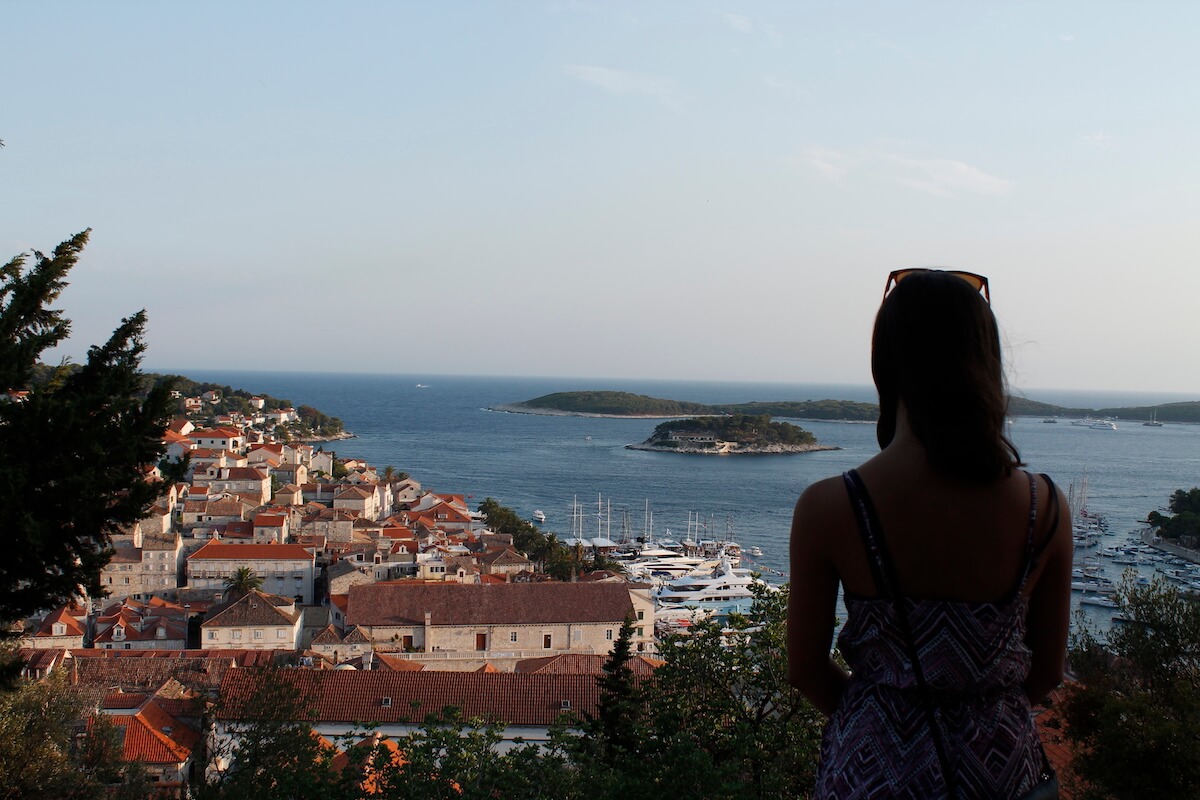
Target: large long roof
[384,696]
[502,604]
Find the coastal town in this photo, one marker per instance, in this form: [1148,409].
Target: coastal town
[274,552]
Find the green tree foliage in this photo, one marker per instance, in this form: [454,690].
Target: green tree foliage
[273,753]
[1134,714]
[620,403]
[750,430]
[808,409]
[50,749]
[241,582]
[1184,519]
[633,405]
[73,454]
[621,708]
[717,720]
[321,424]
[542,548]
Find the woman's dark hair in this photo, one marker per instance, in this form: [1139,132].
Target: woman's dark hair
[936,347]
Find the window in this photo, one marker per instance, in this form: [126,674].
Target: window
[281,634]
[608,634]
[639,632]
[481,641]
[127,645]
[212,635]
[237,634]
[258,634]
[512,637]
[641,616]
[547,640]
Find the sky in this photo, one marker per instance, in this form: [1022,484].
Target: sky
[692,190]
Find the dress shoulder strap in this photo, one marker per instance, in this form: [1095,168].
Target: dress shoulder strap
[871,533]
[1029,561]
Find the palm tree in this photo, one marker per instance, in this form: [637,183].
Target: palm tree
[242,582]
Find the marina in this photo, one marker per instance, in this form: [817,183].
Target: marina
[443,437]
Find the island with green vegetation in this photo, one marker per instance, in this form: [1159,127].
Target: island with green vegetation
[627,404]
[734,434]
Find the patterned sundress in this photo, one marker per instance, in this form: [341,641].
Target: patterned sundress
[878,743]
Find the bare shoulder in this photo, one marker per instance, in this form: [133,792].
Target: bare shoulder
[822,509]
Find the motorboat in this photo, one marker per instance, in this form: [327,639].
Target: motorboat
[539,516]
[1103,425]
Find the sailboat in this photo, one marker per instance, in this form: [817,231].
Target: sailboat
[1153,422]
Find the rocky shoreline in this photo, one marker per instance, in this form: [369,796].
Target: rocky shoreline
[337,437]
[732,449]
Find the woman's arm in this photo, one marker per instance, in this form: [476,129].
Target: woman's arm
[811,600]
[1050,610]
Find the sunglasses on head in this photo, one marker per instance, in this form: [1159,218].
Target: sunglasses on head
[978,282]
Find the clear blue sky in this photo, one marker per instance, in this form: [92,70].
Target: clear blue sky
[682,190]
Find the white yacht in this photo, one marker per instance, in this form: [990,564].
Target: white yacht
[724,584]
[539,516]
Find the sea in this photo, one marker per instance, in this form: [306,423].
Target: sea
[440,429]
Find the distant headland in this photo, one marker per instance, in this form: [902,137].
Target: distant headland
[627,404]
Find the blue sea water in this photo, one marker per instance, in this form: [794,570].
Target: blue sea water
[444,436]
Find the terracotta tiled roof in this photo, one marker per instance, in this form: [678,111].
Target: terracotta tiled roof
[40,660]
[356,635]
[244,474]
[172,631]
[328,635]
[63,615]
[503,557]
[253,608]
[388,661]
[146,739]
[510,603]
[487,667]
[385,697]
[1058,747]
[582,664]
[251,552]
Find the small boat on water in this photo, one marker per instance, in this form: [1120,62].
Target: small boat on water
[1099,600]
[1103,425]
[1153,421]
[1051,420]
[539,516]
[754,551]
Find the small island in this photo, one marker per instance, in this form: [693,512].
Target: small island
[735,434]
